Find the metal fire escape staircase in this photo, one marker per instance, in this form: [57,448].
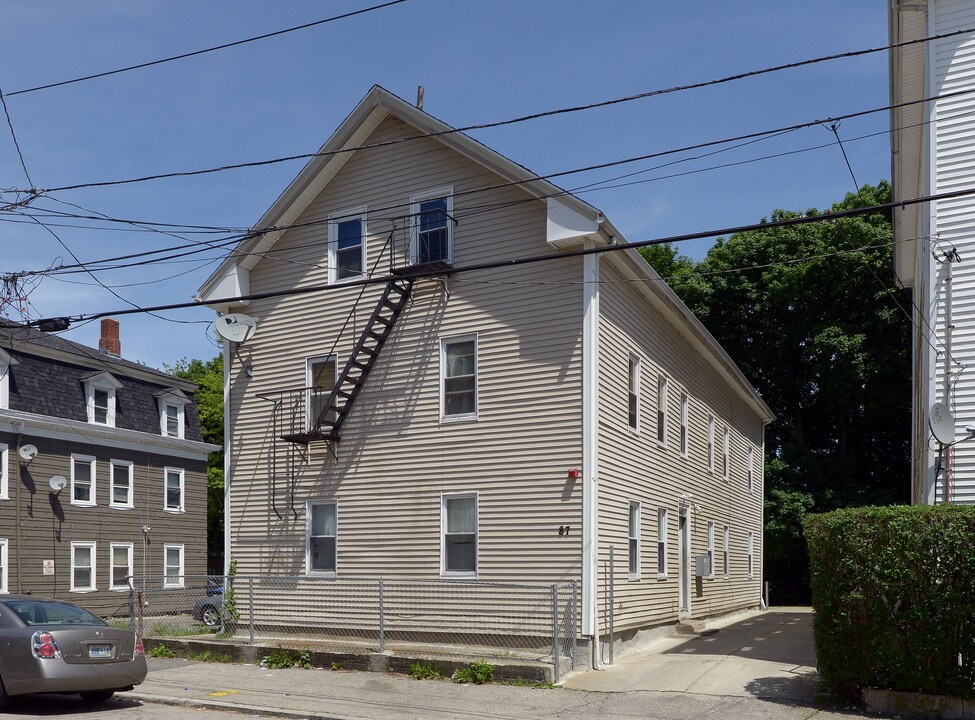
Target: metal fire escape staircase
[366,352]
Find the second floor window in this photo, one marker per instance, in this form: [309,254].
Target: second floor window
[459,378]
[120,493]
[320,377]
[662,410]
[633,394]
[683,424]
[82,480]
[174,490]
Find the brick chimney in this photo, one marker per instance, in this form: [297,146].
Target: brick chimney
[109,341]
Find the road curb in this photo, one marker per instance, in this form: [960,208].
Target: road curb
[229,707]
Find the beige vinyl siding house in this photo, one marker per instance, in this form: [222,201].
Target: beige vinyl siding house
[476,444]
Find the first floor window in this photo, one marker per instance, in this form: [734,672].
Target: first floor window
[724,555]
[120,493]
[751,556]
[460,534]
[3,565]
[120,566]
[710,549]
[173,566]
[459,390]
[634,540]
[322,537]
[82,480]
[82,566]
[174,489]
[662,543]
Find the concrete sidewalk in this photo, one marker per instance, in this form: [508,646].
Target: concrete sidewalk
[726,675]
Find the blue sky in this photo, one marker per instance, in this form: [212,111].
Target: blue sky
[479,62]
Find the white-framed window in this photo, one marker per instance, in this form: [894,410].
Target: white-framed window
[83,566]
[347,245]
[633,393]
[458,378]
[710,443]
[661,543]
[4,472]
[662,410]
[82,480]
[321,532]
[710,549]
[750,477]
[634,540]
[174,489]
[119,566]
[172,418]
[121,481]
[321,374]
[101,400]
[4,381]
[431,226]
[751,555]
[3,566]
[172,566]
[726,453]
[684,407]
[726,535]
[459,528]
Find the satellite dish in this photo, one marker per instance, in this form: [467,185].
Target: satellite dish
[57,483]
[236,327]
[28,452]
[942,423]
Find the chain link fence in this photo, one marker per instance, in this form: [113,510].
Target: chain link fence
[430,618]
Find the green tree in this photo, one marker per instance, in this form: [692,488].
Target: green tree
[208,375]
[826,342]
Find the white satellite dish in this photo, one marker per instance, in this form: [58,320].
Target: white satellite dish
[942,423]
[27,452]
[57,483]
[236,327]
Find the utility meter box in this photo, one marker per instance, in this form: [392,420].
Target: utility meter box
[702,566]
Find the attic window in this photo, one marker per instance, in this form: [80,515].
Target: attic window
[431,227]
[347,246]
[100,399]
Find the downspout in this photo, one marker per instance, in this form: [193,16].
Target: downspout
[590,451]
[20,483]
[227,363]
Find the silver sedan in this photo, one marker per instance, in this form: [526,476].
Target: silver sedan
[50,646]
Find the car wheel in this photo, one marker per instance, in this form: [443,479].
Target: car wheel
[97,696]
[211,617]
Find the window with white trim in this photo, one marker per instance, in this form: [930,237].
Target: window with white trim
[3,565]
[726,453]
[683,423]
[751,467]
[634,540]
[101,401]
[633,393]
[321,530]
[119,566]
[751,555]
[4,472]
[726,550]
[83,566]
[459,522]
[172,566]
[710,443]
[121,476]
[320,378]
[174,490]
[458,372]
[710,549]
[347,245]
[661,543]
[4,383]
[662,410]
[82,480]
[431,226]
[172,417]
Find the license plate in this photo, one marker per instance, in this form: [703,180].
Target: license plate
[99,651]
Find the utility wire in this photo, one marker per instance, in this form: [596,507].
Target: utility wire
[205,50]
[10,124]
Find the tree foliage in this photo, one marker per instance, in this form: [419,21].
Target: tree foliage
[811,315]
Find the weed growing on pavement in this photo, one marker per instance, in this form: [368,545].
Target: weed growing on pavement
[478,672]
[425,671]
[525,682]
[162,650]
[283,659]
[210,656]
[336,665]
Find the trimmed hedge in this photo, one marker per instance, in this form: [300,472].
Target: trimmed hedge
[894,594]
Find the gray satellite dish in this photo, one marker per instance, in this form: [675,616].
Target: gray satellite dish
[57,483]
[942,423]
[236,327]
[27,452]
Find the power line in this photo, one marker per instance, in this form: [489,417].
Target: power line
[10,124]
[205,50]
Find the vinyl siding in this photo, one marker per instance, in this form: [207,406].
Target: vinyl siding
[637,468]
[396,457]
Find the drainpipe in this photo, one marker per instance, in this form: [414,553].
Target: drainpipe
[227,364]
[20,484]
[590,452]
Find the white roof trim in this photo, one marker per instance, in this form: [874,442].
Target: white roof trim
[103,378]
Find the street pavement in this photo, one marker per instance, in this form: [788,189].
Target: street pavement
[758,667]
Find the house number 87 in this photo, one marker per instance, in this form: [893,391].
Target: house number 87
[564,529]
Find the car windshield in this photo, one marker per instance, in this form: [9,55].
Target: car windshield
[41,612]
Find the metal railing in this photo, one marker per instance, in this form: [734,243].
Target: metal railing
[431,618]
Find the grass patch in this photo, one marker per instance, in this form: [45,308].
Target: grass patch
[336,665]
[170,631]
[478,672]
[162,650]
[281,659]
[525,682]
[210,656]
[425,671]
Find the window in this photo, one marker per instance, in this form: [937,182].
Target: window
[120,476]
[320,379]
[82,566]
[4,380]
[662,543]
[459,535]
[458,361]
[751,555]
[683,424]
[120,566]
[431,227]
[3,566]
[710,549]
[751,467]
[347,245]
[4,472]
[100,399]
[710,443]
[174,489]
[725,551]
[662,410]
[726,453]
[172,566]
[321,530]
[82,480]
[633,394]
[634,540]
